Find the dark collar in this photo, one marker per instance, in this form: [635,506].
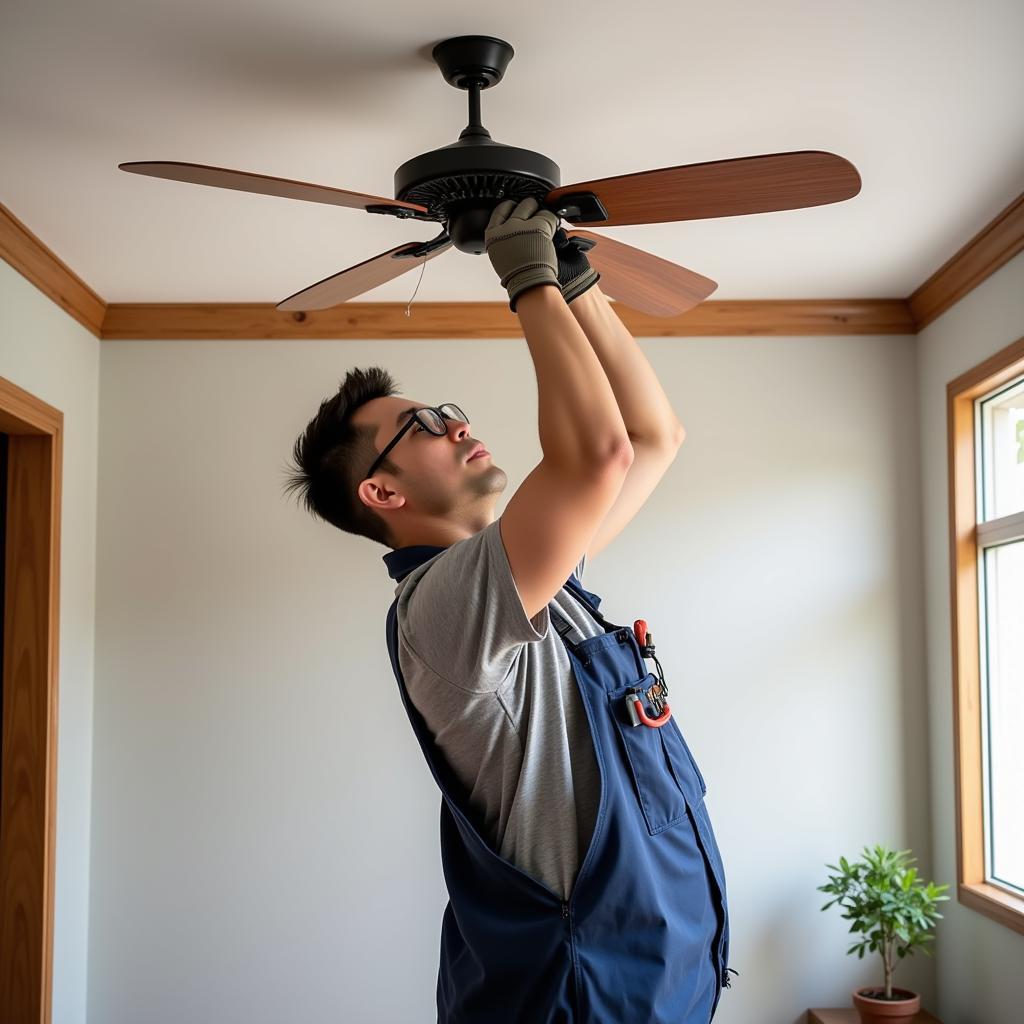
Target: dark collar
[402,561]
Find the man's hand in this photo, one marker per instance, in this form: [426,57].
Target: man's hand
[519,246]
[575,274]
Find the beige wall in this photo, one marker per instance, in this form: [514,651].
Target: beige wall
[978,960]
[265,828]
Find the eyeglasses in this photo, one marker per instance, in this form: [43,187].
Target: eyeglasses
[430,418]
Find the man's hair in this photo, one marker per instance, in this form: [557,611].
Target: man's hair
[331,457]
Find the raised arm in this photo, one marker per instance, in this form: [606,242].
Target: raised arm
[554,514]
[654,430]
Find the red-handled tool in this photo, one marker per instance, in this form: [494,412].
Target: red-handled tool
[654,723]
[657,694]
[640,631]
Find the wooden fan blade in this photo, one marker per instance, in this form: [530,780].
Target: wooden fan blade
[643,281]
[720,188]
[346,284]
[245,181]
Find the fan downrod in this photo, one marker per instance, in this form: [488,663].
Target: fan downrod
[461,183]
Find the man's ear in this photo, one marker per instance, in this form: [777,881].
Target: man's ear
[376,495]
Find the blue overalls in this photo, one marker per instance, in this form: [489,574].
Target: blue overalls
[644,935]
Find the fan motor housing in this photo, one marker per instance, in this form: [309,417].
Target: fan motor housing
[461,184]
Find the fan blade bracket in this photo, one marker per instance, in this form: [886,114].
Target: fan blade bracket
[394,211]
[402,212]
[581,206]
[417,249]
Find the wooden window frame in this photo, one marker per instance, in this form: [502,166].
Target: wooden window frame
[973,890]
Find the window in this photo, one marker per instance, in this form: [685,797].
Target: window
[986,454]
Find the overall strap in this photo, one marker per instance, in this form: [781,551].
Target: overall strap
[564,626]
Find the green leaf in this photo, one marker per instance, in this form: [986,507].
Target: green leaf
[884,900]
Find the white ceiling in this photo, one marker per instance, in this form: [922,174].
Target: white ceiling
[925,97]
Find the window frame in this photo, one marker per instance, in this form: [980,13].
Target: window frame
[972,889]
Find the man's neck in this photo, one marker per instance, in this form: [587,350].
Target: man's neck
[442,535]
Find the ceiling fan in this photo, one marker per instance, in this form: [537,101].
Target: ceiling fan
[460,184]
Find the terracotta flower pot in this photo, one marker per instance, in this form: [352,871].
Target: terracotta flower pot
[900,1010]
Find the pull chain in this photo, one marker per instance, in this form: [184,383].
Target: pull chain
[423,267]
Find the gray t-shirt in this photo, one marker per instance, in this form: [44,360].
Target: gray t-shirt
[499,699]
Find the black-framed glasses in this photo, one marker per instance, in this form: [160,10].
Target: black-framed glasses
[431,418]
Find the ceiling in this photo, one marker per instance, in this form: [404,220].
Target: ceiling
[924,97]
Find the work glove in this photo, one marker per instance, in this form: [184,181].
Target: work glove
[519,246]
[575,274]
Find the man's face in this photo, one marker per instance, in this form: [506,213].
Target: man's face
[437,480]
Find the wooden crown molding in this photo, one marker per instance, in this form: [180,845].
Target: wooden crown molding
[997,243]
[994,245]
[494,320]
[49,273]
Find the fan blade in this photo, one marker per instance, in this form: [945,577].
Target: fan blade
[720,188]
[643,281]
[346,284]
[245,181]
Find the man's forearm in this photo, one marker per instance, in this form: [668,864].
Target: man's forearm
[645,407]
[579,421]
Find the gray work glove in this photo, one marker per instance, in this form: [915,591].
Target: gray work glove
[519,246]
[575,274]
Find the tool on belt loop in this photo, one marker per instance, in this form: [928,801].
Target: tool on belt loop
[657,694]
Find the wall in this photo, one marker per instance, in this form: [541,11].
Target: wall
[266,840]
[46,352]
[978,960]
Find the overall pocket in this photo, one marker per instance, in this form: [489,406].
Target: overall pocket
[663,770]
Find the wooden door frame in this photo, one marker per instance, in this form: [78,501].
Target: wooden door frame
[28,792]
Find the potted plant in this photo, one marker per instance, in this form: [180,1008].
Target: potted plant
[893,911]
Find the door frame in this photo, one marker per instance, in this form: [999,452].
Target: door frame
[31,652]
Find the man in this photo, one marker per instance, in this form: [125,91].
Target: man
[584,879]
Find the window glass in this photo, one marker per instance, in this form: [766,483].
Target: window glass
[1003,683]
[1002,432]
